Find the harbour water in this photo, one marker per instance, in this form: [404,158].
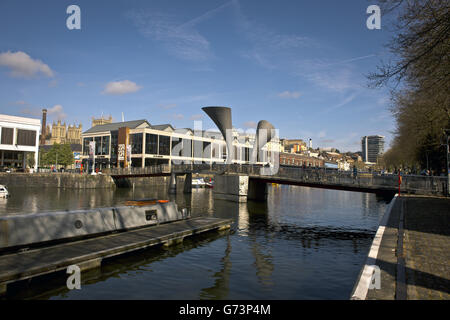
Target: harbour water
[303,243]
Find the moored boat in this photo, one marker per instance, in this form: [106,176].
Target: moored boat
[3,191]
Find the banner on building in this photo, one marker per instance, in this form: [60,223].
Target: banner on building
[121,152]
[129,153]
[91,149]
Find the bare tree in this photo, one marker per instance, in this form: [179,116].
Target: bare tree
[419,78]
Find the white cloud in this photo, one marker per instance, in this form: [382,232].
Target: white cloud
[177,116]
[168,106]
[343,103]
[322,134]
[250,124]
[121,87]
[57,112]
[20,103]
[181,41]
[267,48]
[23,66]
[30,111]
[53,83]
[333,80]
[289,94]
[196,117]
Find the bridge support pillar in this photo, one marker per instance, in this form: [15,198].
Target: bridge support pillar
[257,190]
[173,183]
[231,187]
[188,183]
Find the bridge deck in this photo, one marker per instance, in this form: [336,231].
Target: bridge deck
[89,253]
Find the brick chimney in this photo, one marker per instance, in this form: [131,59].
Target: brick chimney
[44,126]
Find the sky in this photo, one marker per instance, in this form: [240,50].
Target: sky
[300,65]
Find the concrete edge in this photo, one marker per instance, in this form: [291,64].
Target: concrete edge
[365,276]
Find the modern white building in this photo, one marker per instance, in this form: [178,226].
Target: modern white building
[143,144]
[18,137]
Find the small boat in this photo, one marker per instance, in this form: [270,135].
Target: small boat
[201,183]
[3,191]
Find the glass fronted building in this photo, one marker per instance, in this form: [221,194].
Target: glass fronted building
[146,145]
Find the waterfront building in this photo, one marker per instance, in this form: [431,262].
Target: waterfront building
[18,137]
[139,144]
[372,147]
[300,160]
[293,145]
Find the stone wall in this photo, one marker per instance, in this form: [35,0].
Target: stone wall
[56,180]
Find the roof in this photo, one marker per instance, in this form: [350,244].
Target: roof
[115,126]
[162,127]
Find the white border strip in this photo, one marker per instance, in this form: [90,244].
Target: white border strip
[362,287]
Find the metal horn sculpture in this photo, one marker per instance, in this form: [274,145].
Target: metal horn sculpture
[222,118]
[264,133]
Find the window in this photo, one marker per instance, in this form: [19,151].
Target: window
[206,150]
[7,135]
[215,150]
[136,143]
[105,145]
[197,148]
[224,152]
[98,145]
[187,148]
[246,154]
[164,145]
[114,143]
[176,148]
[86,145]
[151,143]
[26,137]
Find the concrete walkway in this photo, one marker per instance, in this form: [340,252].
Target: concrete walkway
[89,253]
[414,252]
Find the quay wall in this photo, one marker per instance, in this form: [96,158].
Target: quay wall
[56,180]
[79,181]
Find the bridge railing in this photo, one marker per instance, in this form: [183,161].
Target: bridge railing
[157,169]
[412,183]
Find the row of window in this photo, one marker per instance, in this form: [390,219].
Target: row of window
[298,162]
[23,137]
[162,145]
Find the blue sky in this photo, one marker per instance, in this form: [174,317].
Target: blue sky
[299,64]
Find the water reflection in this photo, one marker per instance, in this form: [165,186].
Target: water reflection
[302,243]
[221,287]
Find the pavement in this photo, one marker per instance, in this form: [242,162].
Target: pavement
[414,253]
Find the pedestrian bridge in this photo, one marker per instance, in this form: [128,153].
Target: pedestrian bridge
[239,182]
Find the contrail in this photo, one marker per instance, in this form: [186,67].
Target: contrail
[204,16]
